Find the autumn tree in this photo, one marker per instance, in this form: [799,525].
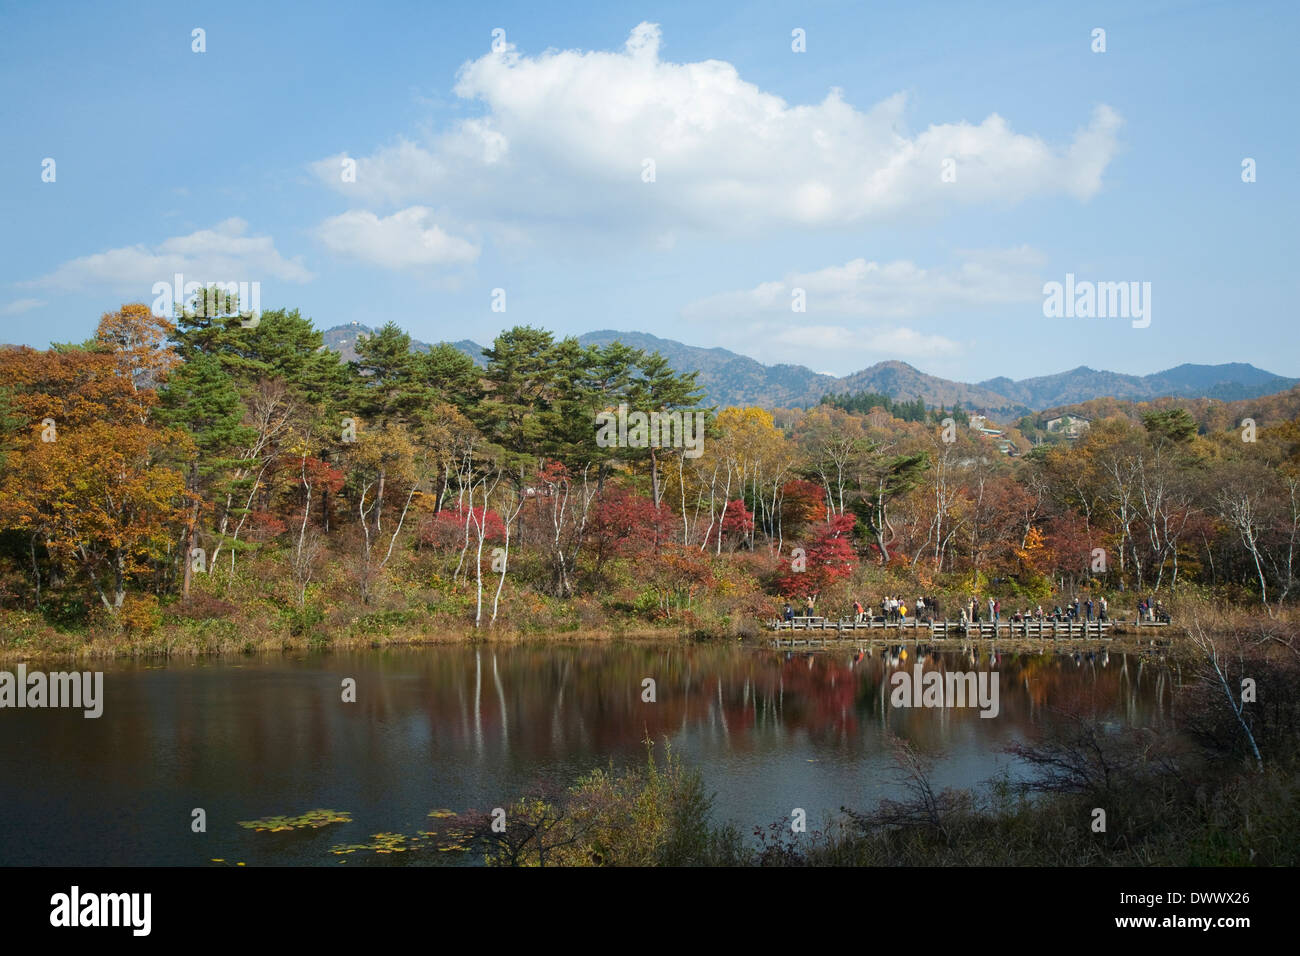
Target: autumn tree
[829,557]
[97,500]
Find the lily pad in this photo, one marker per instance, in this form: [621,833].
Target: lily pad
[312,819]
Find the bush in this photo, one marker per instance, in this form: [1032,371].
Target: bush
[303,621]
[644,816]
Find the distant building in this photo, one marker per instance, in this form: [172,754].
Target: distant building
[979,423]
[1071,426]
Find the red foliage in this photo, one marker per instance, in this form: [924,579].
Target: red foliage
[266,526]
[737,518]
[1068,543]
[323,476]
[737,522]
[288,493]
[802,503]
[827,559]
[445,531]
[624,523]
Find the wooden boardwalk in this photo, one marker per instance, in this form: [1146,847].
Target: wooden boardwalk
[822,630]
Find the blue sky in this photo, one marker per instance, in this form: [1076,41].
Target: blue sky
[523,169]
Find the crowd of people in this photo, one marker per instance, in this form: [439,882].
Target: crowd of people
[895,610]
[892,610]
[1080,609]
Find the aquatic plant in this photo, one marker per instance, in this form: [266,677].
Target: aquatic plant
[312,819]
[450,839]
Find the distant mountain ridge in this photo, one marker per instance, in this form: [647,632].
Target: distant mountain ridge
[729,378]
[1228,382]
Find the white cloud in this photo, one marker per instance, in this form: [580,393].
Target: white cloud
[892,342]
[221,254]
[890,290]
[19,306]
[854,312]
[405,239]
[564,133]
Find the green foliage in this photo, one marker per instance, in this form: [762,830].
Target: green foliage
[1175,424]
[303,621]
[284,345]
[913,411]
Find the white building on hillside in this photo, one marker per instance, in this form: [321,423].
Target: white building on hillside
[1071,426]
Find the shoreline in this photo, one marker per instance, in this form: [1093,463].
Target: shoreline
[188,646]
[158,646]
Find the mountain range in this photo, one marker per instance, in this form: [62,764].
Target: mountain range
[728,378]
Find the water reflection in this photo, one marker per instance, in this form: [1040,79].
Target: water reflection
[471,727]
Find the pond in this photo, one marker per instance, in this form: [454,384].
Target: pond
[461,727]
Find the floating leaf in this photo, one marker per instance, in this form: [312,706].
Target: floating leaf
[312,819]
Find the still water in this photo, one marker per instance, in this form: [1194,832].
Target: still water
[461,727]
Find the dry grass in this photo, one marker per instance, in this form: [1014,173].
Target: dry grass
[26,638]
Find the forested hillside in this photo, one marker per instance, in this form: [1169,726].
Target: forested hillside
[200,470]
[727,378]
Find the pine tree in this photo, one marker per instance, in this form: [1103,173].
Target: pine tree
[389,390]
[200,397]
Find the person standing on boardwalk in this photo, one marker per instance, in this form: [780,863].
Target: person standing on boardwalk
[789,613]
[1088,608]
[1104,607]
[993,610]
[857,612]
